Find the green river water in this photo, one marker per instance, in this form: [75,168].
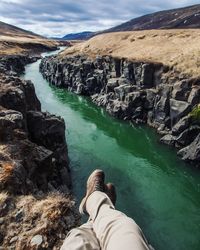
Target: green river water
[154,187]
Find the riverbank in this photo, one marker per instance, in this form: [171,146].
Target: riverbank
[139,92]
[36,206]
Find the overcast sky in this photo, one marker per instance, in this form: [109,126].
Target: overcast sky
[60,17]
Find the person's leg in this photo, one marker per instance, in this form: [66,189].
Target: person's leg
[81,238]
[114,230]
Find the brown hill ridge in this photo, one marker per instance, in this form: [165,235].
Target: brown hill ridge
[11,30]
[187,17]
[181,18]
[14,40]
[176,48]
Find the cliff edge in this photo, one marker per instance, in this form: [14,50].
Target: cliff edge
[36,206]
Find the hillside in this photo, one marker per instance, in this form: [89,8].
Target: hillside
[14,40]
[182,18]
[178,48]
[79,36]
[11,30]
[188,17]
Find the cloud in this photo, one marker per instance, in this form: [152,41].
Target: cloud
[59,17]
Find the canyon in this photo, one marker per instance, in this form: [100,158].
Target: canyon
[139,92]
[53,135]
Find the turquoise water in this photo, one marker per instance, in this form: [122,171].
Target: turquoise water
[154,187]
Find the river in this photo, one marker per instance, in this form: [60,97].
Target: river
[154,187]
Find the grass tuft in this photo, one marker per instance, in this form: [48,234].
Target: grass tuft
[195,113]
[6,171]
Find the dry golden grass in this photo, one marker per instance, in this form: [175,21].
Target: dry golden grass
[17,41]
[52,207]
[15,44]
[3,197]
[51,216]
[6,171]
[178,48]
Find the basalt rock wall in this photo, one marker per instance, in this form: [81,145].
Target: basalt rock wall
[36,206]
[140,92]
[21,117]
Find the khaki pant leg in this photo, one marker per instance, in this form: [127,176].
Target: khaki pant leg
[114,230]
[81,238]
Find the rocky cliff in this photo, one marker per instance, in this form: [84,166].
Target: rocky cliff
[139,92]
[36,208]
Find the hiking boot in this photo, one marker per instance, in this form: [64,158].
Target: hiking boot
[95,182]
[111,192]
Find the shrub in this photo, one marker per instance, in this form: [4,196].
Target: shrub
[195,113]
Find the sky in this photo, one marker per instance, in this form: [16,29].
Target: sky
[56,18]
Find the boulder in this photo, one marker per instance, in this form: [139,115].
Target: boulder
[88,66]
[188,135]
[43,126]
[194,97]
[36,241]
[191,153]
[178,109]
[101,100]
[168,139]
[13,98]
[122,91]
[164,90]
[181,125]
[10,120]
[123,80]
[49,131]
[91,86]
[161,109]
[118,109]
[32,102]
[111,84]
[150,98]
[80,89]
[137,115]
[181,90]
[133,99]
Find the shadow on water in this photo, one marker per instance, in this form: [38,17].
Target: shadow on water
[154,187]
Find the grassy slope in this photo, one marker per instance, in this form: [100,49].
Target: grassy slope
[14,40]
[179,48]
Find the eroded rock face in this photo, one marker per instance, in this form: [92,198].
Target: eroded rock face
[139,92]
[191,153]
[37,139]
[49,131]
[36,207]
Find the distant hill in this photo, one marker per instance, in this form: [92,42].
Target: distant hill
[188,17]
[79,36]
[11,30]
[14,41]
